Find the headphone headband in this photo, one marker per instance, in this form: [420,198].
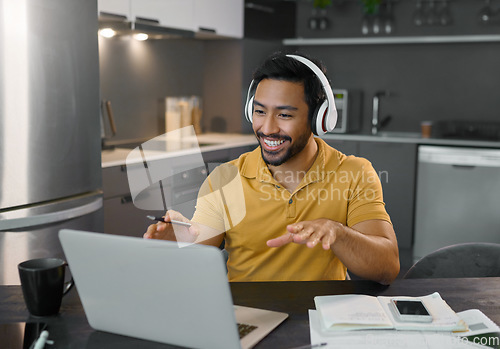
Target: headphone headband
[325,118]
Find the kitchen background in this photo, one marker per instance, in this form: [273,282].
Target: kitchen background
[425,72]
[426,81]
[438,71]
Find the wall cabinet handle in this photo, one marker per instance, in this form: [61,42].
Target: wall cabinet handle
[150,20]
[466,167]
[208,30]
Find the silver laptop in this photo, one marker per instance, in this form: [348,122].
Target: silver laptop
[156,291]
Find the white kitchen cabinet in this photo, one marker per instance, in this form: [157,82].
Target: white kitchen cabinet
[224,17]
[114,7]
[221,17]
[178,14]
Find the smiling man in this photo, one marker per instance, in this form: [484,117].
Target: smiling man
[310,212]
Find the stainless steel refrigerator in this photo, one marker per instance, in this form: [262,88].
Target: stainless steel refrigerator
[50,146]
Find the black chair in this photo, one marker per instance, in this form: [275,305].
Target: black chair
[474,259]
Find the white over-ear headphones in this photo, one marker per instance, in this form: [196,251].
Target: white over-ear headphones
[325,117]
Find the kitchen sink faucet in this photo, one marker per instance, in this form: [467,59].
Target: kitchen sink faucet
[376,122]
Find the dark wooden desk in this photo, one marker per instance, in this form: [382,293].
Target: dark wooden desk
[70,328]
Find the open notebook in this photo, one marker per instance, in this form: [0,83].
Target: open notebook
[154,290]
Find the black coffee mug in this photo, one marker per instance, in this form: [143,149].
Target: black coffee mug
[42,282]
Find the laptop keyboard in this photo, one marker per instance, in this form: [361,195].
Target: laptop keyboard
[245,329]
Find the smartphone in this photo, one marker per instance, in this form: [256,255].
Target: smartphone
[411,310]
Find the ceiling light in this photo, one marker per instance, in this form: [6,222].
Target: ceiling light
[107,32]
[141,36]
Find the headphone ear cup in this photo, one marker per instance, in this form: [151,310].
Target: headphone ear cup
[249,109]
[318,122]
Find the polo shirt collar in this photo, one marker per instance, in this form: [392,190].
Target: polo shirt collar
[325,162]
[255,167]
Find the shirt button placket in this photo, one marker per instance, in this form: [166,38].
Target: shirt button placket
[291,208]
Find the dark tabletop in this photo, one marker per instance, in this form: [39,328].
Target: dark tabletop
[70,328]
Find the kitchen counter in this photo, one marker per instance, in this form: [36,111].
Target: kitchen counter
[175,163]
[411,137]
[160,149]
[216,141]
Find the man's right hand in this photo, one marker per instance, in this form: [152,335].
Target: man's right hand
[172,232]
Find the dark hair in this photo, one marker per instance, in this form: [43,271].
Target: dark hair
[280,67]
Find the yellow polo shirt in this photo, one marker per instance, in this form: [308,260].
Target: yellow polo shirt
[243,199]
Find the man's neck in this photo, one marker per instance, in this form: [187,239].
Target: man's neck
[292,171]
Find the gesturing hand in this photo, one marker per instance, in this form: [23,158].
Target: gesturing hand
[309,233]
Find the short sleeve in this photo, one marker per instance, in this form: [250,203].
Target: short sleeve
[221,203]
[366,200]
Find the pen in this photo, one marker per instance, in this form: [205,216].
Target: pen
[161,219]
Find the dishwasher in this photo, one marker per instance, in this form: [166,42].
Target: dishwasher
[457,197]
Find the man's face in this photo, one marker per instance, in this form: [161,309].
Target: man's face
[280,120]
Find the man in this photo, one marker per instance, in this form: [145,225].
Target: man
[310,212]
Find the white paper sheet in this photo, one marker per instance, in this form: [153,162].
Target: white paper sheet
[478,323]
[383,339]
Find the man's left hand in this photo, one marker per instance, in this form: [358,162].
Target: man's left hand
[310,233]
